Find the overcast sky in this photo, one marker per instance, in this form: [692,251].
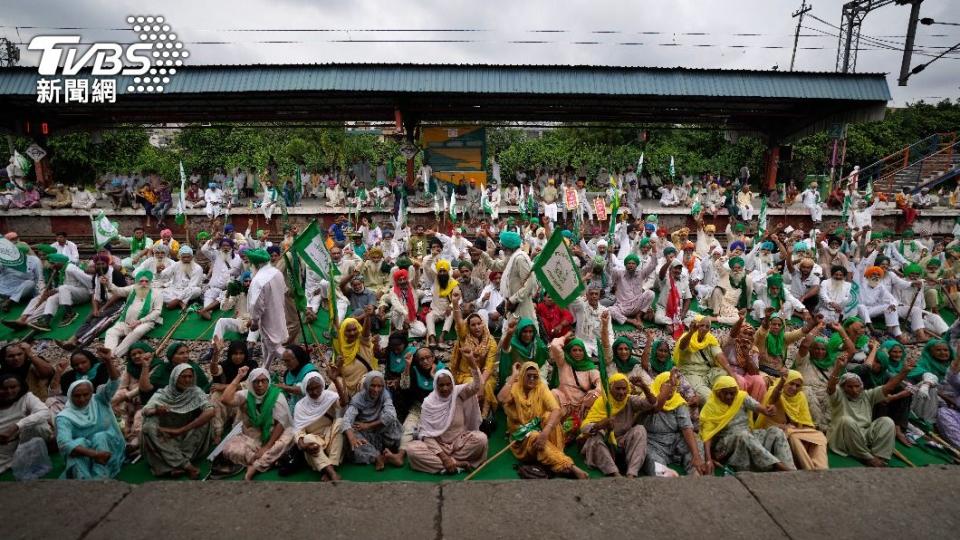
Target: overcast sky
[663,33]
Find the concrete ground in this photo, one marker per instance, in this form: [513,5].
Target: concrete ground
[848,503]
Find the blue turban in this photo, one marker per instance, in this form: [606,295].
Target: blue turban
[650,227]
[274,249]
[228,228]
[768,245]
[738,245]
[567,233]
[245,276]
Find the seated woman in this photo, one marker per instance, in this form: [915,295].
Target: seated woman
[526,399]
[22,417]
[176,426]
[177,353]
[657,358]
[882,364]
[32,369]
[222,372]
[670,430]
[473,335]
[83,366]
[297,361]
[699,357]
[773,340]
[126,402]
[611,425]
[371,426]
[356,354]
[316,426]
[576,379]
[853,430]
[948,416]
[520,343]
[449,436]
[744,358]
[393,360]
[87,433]
[416,383]
[935,360]
[792,414]
[727,437]
[811,355]
[267,426]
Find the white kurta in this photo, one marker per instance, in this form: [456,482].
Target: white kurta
[265,302]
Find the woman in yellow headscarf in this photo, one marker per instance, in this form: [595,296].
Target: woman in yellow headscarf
[727,437]
[700,358]
[670,435]
[355,354]
[792,415]
[525,398]
[611,423]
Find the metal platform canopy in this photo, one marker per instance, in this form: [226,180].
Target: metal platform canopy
[781,105]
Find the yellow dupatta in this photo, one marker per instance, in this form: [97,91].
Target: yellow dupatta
[796,408]
[526,406]
[347,351]
[675,400]
[716,414]
[598,411]
[695,345]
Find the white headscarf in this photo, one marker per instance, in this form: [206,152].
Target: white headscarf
[437,412]
[309,410]
[254,375]
[176,400]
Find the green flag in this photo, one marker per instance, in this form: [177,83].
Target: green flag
[311,247]
[11,257]
[557,272]
[762,220]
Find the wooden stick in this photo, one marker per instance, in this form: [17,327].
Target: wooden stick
[899,455]
[166,338]
[488,461]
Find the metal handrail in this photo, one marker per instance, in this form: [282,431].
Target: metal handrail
[901,161]
[946,149]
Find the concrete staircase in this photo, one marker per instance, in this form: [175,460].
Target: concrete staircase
[927,172]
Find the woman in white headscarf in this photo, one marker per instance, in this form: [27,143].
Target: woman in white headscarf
[176,425]
[267,426]
[449,433]
[317,430]
[88,435]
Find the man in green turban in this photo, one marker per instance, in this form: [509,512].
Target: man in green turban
[912,304]
[68,286]
[517,285]
[141,312]
[265,304]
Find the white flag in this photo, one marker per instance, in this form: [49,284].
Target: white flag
[104,230]
[557,272]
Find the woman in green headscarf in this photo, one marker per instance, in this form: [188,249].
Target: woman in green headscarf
[623,357]
[931,371]
[773,340]
[267,430]
[177,353]
[176,428]
[575,379]
[520,343]
[883,363]
[126,402]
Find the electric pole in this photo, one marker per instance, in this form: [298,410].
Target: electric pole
[796,37]
[908,45]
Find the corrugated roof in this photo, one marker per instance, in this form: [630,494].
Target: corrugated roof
[501,79]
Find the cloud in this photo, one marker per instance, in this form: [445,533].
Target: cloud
[690,33]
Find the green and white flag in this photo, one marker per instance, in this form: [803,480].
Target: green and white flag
[640,165]
[868,194]
[762,222]
[311,247]
[453,206]
[11,257]
[181,200]
[104,230]
[673,171]
[557,272]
